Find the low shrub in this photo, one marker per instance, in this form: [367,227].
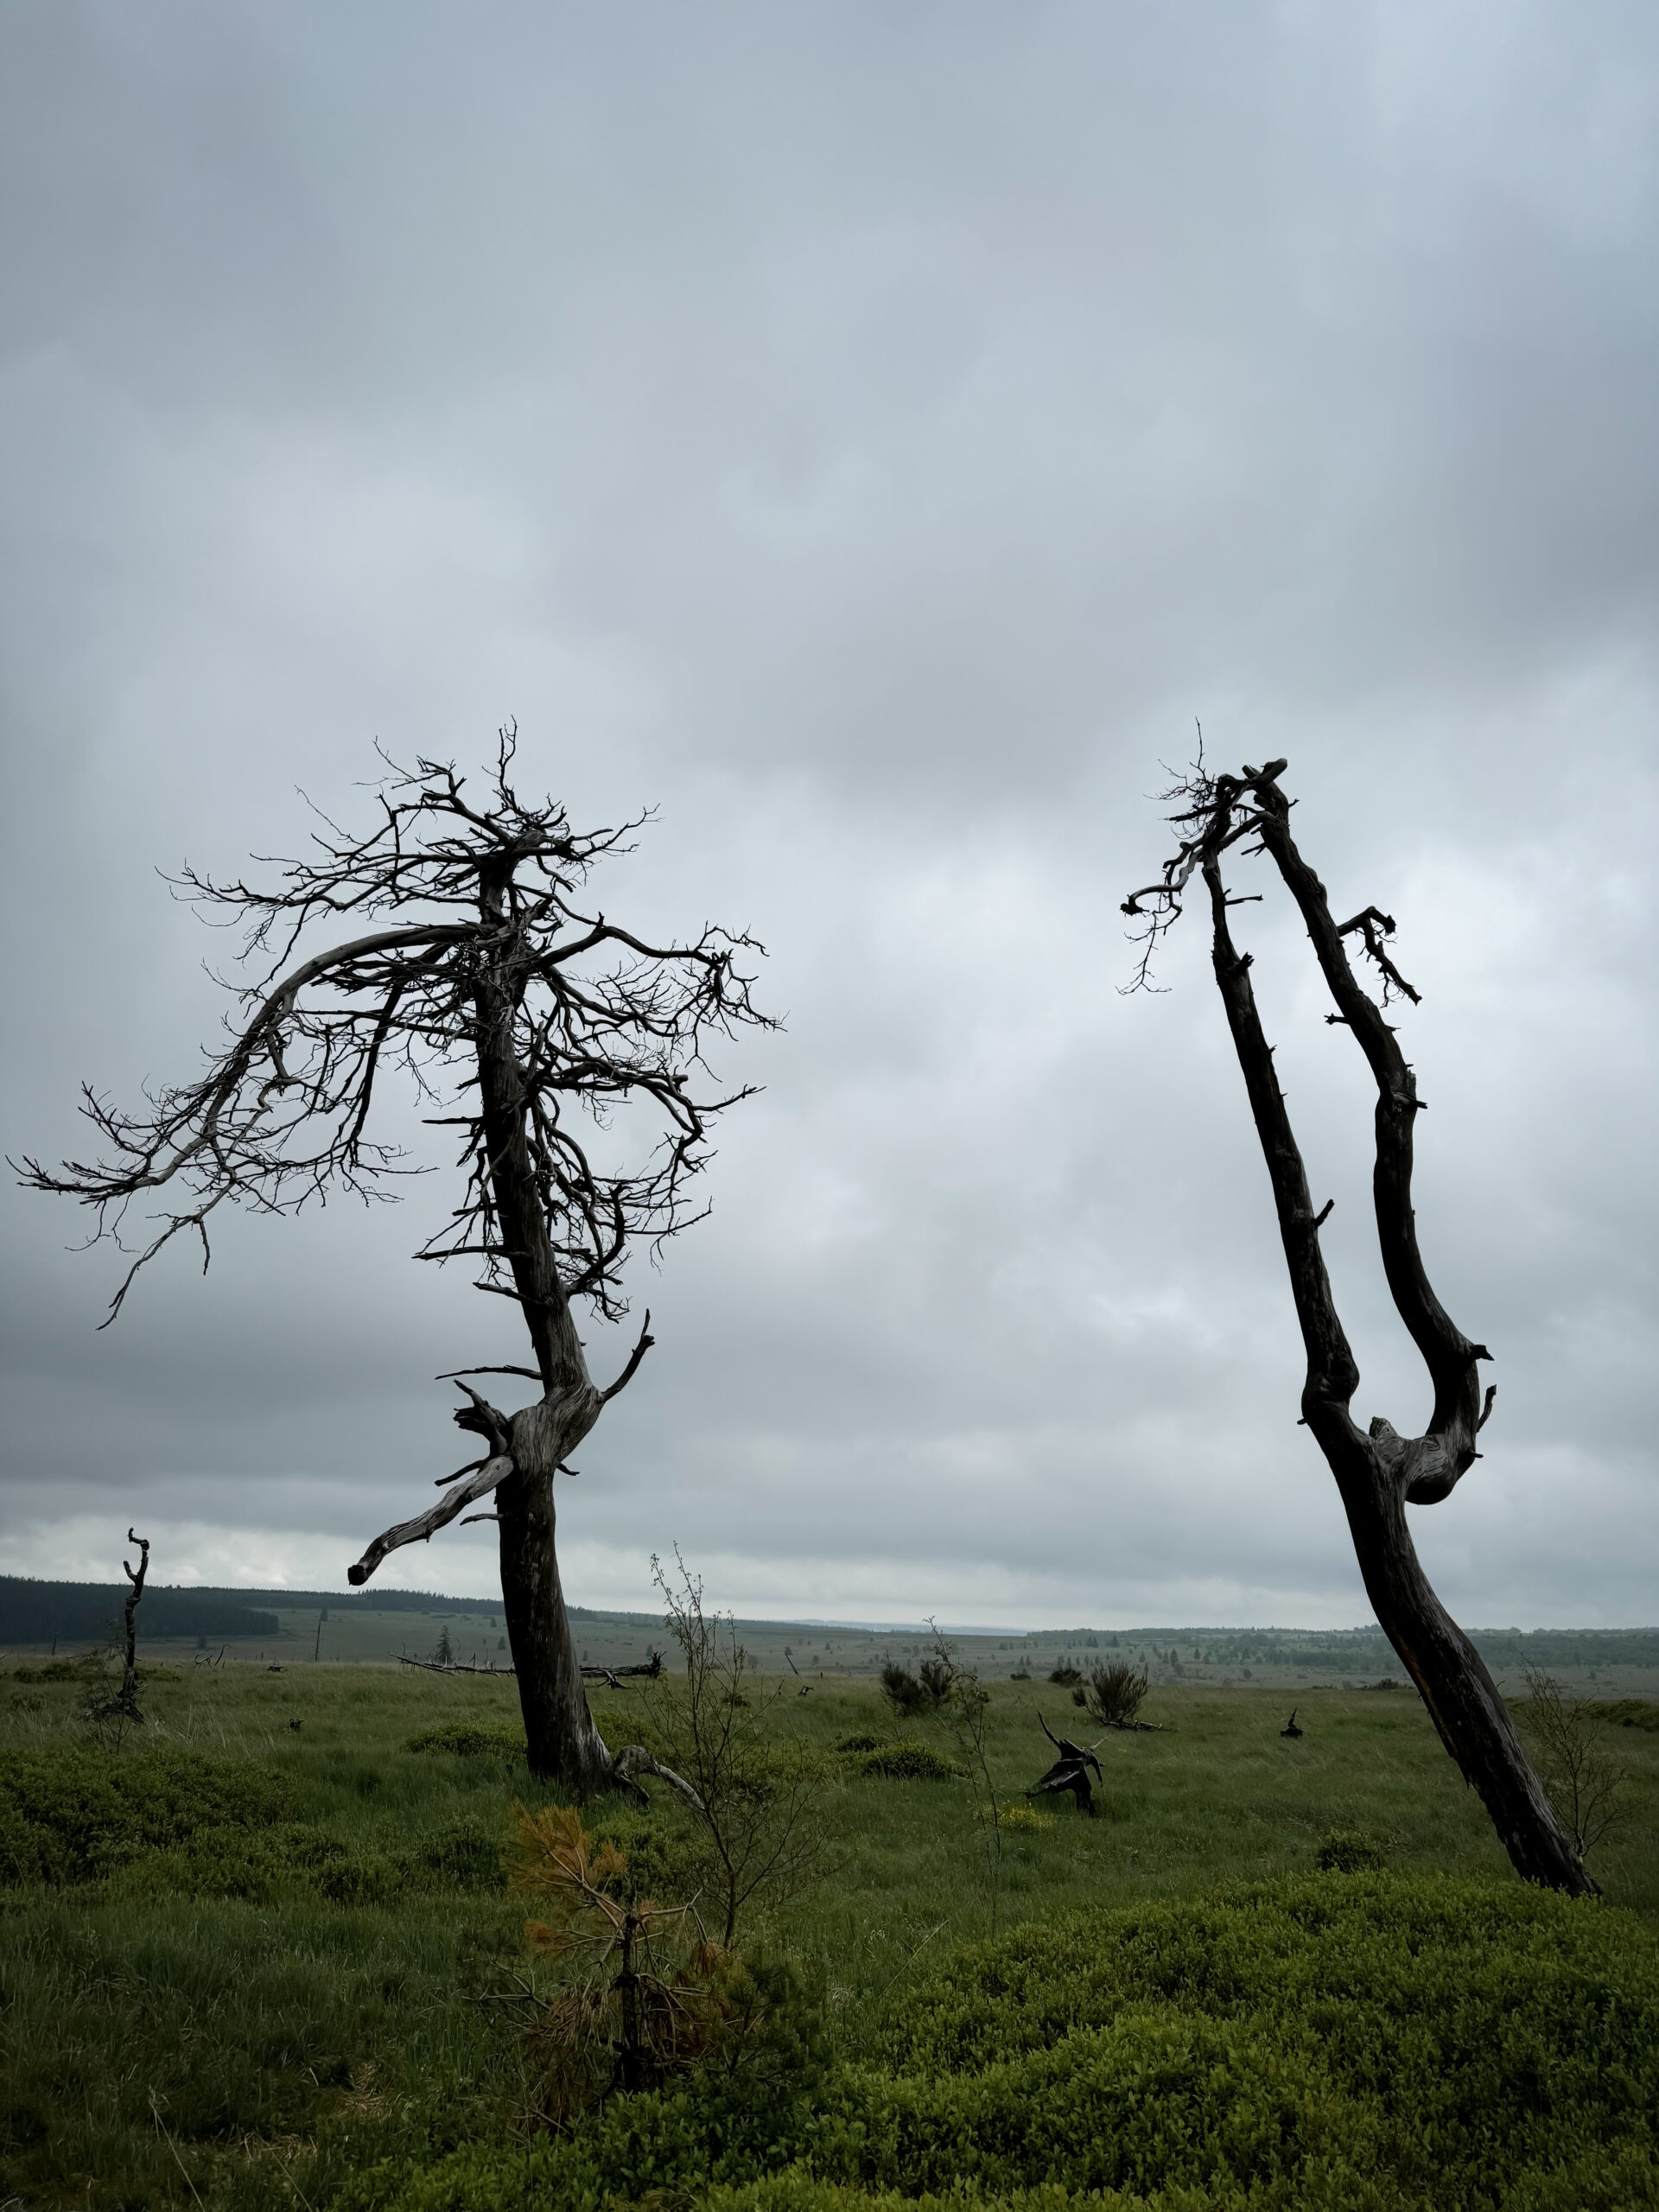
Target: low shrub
[902,1691]
[1380,2044]
[905,1762]
[1026,1820]
[923,1692]
[168,1824]
[472,1740]
[1633,1712]
[662,1856]
[464,1855]
[1347,1851]
[1113,1694]
[70,1816]
[858,1743]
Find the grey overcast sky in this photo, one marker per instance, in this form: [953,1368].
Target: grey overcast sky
[871,433]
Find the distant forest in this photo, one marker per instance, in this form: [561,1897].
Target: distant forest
[38,1611]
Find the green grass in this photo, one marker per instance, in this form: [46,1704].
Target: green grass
[261,1956]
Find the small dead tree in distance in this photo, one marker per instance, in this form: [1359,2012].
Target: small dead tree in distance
[128,1693]
[1377,1471]
[524,1022]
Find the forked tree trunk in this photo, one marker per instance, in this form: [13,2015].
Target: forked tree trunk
[1376,1473]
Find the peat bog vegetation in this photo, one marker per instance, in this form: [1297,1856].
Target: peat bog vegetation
[262,1954]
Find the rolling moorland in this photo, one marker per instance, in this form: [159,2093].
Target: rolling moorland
[37,1618]
[261,1951]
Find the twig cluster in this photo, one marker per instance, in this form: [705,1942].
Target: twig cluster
[491,952]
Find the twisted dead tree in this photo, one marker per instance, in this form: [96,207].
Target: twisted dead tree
[1377,1471]
[525,1022]
[1069,1771]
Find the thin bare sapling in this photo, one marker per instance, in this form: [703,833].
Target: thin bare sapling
[758,1798]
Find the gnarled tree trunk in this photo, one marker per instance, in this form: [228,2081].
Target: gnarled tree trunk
[1377,1471]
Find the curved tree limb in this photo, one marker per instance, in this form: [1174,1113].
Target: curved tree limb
[634,1758]
[427,1524]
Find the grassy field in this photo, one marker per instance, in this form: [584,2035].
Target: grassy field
[270,1966]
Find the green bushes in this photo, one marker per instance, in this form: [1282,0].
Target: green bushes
[170,1823]
[1347,1851]
[1376,2044]
[904,1762]
[471,1739]
[69,1816]
[909,1694]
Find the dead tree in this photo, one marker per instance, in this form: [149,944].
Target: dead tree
[523,1022]
[127,1696]
[1069,1771]
[1377,1471]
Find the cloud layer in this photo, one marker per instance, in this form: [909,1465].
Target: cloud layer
[872,436]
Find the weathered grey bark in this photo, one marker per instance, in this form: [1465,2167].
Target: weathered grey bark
[543,1012]
[564,1744]
[1377,1471]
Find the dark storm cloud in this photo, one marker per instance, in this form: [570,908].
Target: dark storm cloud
[874,435]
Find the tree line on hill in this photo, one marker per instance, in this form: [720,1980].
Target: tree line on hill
[43,1613]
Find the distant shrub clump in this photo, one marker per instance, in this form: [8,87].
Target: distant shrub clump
[1112,1694]
[174,1824]
[471,1739]
[1347,1851]
[909,1694]
[68,1816]
[904,1762]
[464,1855]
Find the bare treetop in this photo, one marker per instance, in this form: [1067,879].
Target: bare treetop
[1221,810]
[489,952]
